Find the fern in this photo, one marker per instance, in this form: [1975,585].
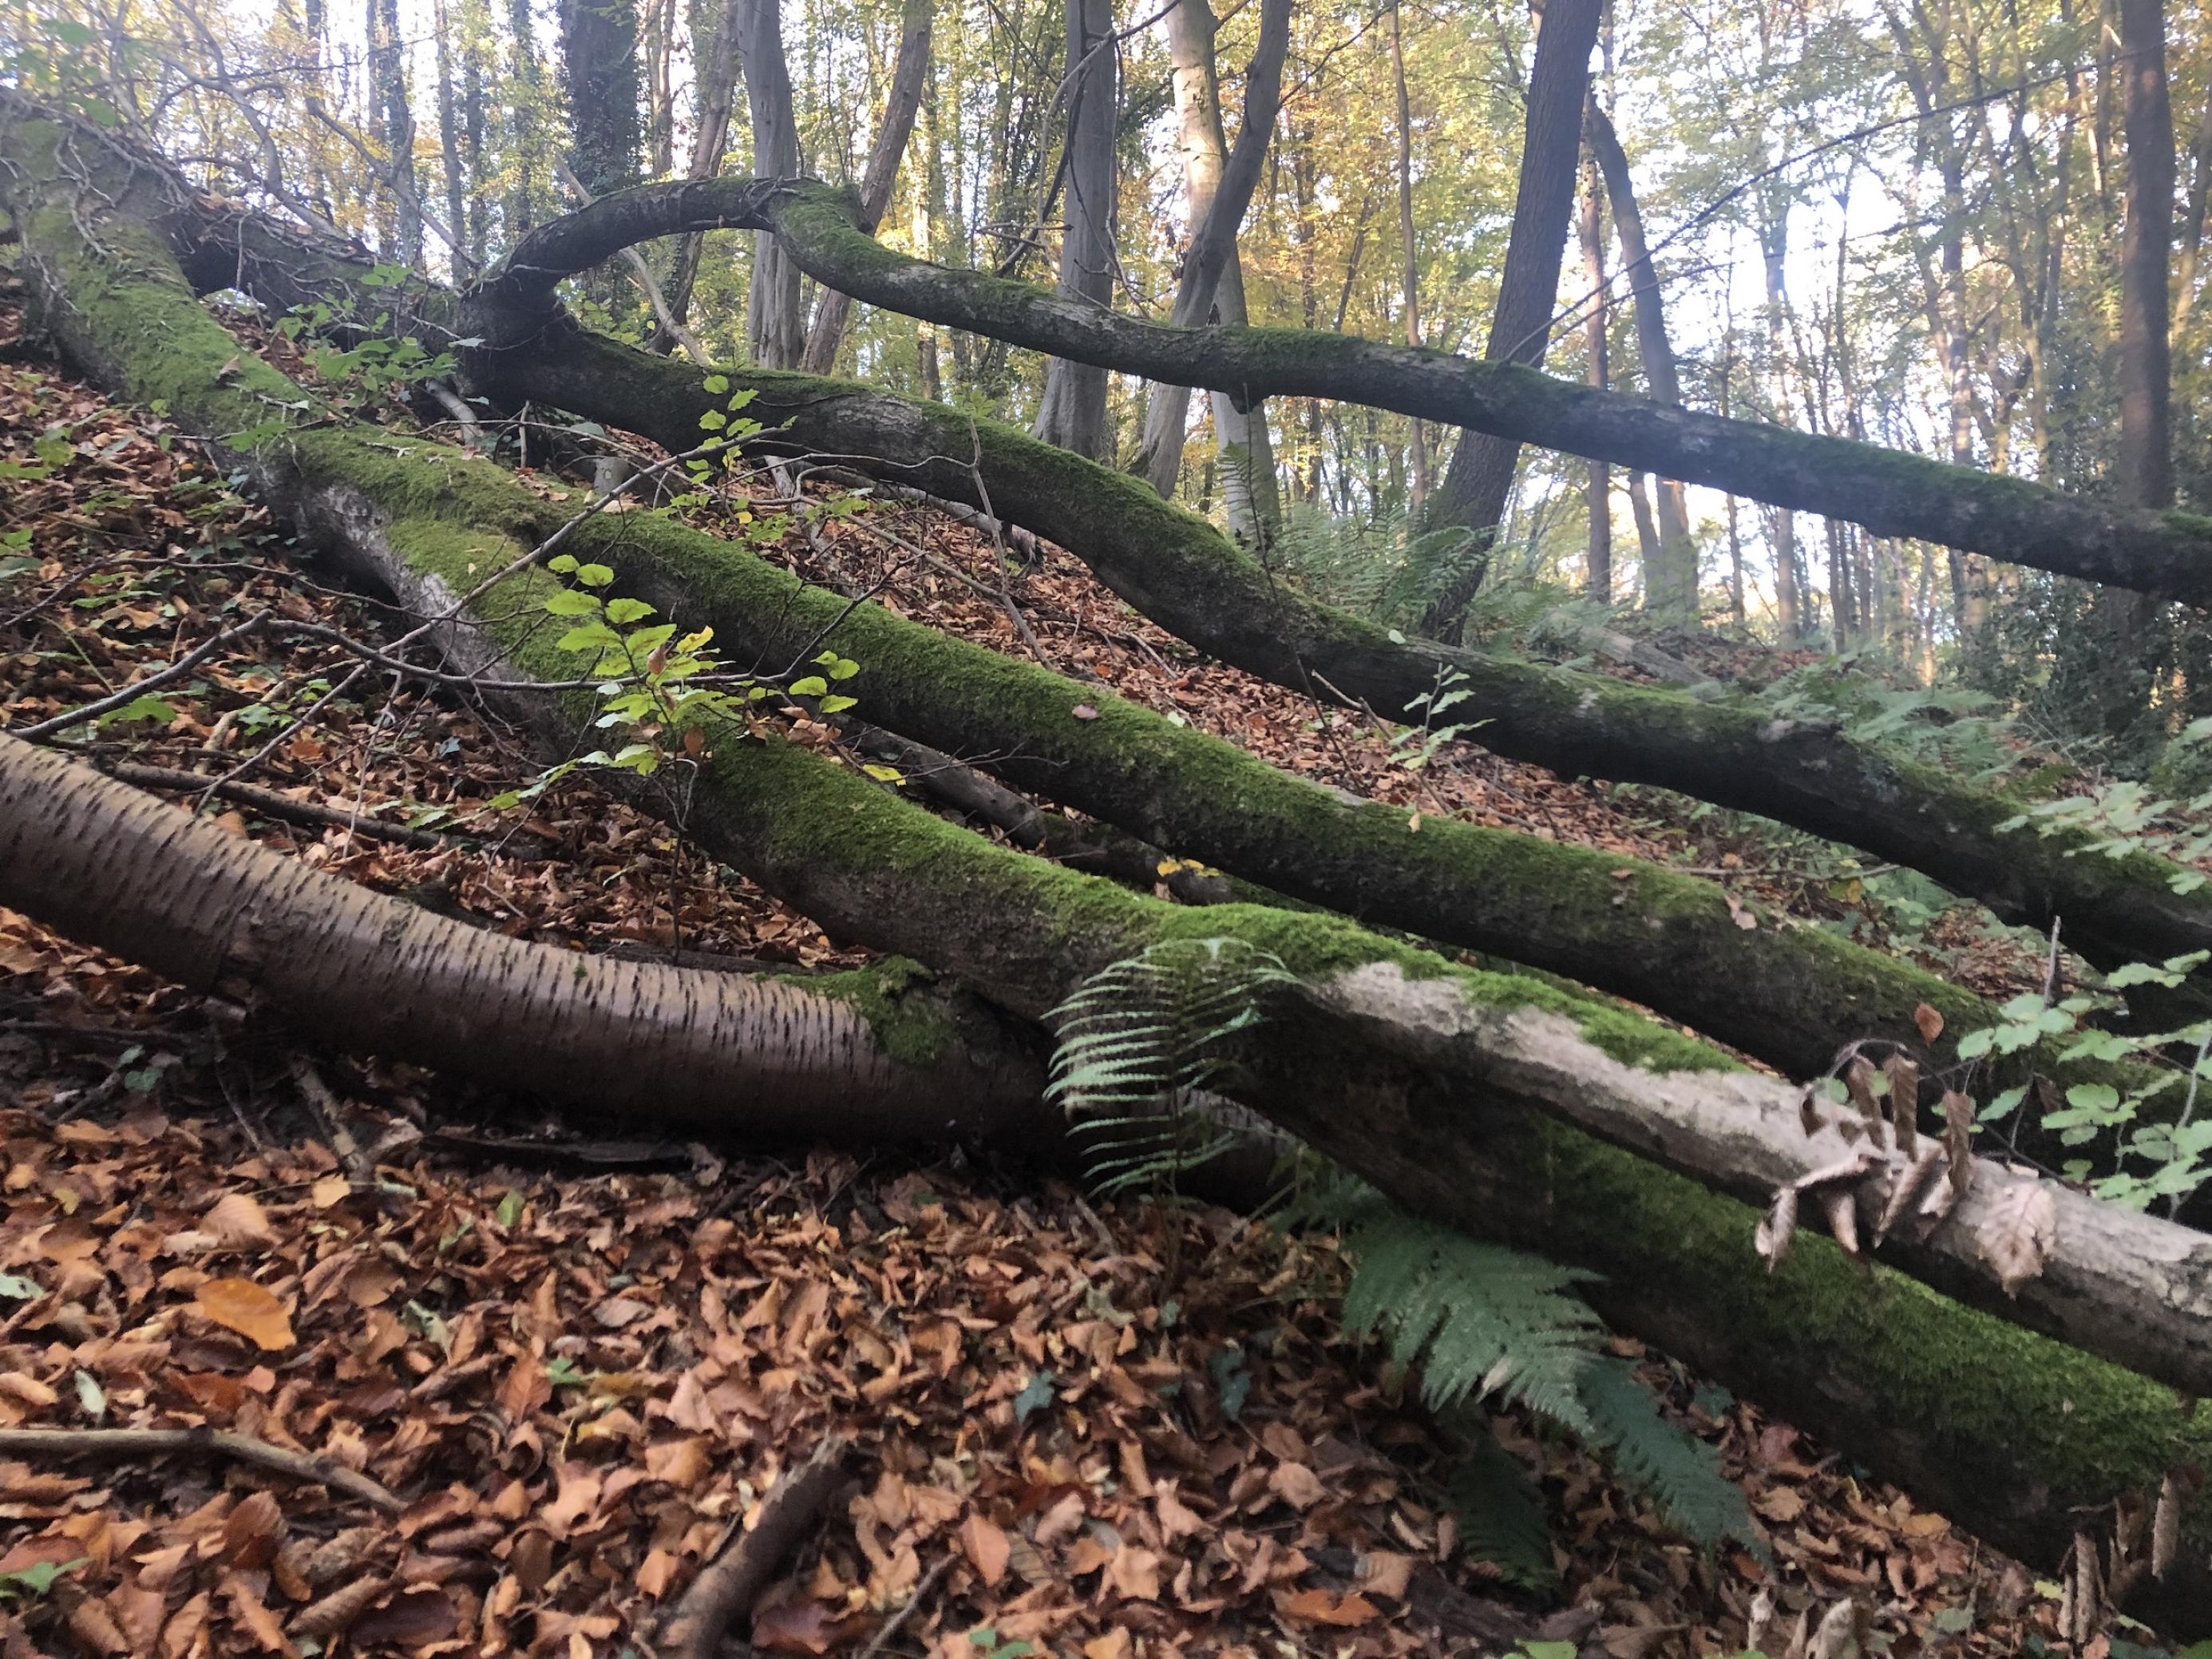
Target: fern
[1501,1514]
[1487,1322]
[1143,1046]
[1674,1468]
[1379,568]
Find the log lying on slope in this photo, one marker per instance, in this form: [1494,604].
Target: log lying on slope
[2021,1428]
[878,1053]
[1177,569]
[1890,492]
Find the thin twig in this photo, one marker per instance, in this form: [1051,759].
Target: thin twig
[892,1624]
[138,688]
[204,1443]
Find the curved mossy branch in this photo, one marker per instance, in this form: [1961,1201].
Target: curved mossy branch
[1179,570]
[1890,492]
[1411,1071]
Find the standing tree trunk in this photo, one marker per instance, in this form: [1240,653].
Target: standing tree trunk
[1417,496]
[388,78]
[449,143]
[1072,413]
[1211,288]
[1670,586]
[776,323]
[598,66]
[523,140]
[1774,249]
[2142,473]
[717,92]
[1480,477]
[896,126]
[1591,224]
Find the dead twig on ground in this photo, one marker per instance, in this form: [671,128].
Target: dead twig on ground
[113,1443]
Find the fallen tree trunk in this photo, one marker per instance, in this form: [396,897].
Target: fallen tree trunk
[1889,491]
[1176,568]
[1405,1064]
[1180,571]
[878,1053]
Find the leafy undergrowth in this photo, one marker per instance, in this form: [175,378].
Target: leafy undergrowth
[579,1363]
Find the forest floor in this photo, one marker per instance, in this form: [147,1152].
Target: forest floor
[1111,1430]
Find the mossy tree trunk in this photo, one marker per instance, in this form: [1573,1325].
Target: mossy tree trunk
[1428,1078]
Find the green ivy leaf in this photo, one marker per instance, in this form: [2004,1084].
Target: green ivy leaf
[717,384]
[1037,1394]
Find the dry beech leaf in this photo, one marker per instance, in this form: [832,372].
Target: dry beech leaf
[1778,1229]
[1931,1026]
[1842,1210]
[1323,1609]
[1906,1189]
[2017,1232]
[412,1618]
[250,1532]
[1959,1140]
[806,1627]
[1385,1573]
[986,1547]
[251,1310]
[337,1610]
[253,1614]
[1297,1485]
[237,1219]
[1858,1079]
[1135,1573]
[2166,1528]
[1903,1073]
[1761,1625]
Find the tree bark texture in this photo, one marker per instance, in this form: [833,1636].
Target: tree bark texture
[112,866]
[1072,413]
[1406,1067]
[1479,478]
[1591,225]
[599,63]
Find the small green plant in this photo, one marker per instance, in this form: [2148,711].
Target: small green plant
[1415,746]
[37,1581]
[985,1640]
[2148,1161]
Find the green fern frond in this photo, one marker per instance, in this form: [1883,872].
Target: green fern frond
[1674,1468]
[1501,1514]
[1144,1042]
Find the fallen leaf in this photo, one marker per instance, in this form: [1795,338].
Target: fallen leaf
[1930,1021]
[1083,711]
[985,1547]
[237,1219]
[1297,1485]
[809,1627]
[251,1310]
[2016,1230]
[412,1618]
[1323,1609]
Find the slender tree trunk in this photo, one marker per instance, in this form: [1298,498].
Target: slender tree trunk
[1250,498]
[523,131]
[1418,495]
[1590,223]
[1670,586]
[1073,412]
[449,143]
[475,30]
[1479,478]
[775,322]
[1774,250]
[894,127]
[716,90]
